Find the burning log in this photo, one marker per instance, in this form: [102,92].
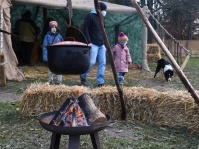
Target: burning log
[78,112]
[64,110]
[92,113]
[74,116]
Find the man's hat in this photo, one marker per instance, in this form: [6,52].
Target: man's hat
[102,6]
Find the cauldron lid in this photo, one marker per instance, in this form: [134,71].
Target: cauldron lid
[71,43]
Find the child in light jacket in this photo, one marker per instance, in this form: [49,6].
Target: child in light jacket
[122,57]
[55,37]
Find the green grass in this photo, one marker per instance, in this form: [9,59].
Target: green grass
[20,133]
[23,133]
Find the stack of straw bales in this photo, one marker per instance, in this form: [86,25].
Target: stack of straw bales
[153,53]
[174,109]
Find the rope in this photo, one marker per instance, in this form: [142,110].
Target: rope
[1,27]
[185,49]
[70,12]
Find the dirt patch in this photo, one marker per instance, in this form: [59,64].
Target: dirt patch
[8,95]
[160,86]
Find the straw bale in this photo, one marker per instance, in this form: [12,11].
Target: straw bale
[39,98]
[153,58]
[107,99]
[153,49]
[177,110]
[153,53]
[134,66]
[174,109]
[139,103]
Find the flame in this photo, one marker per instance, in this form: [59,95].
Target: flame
[74,117]
[71,114]
[79,112]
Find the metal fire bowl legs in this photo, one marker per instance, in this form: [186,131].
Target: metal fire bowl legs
[74,141]
[55,141]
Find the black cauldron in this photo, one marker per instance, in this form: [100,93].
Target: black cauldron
[68,57]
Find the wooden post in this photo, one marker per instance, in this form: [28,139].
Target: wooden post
[2,67]
[164,48]
[144,43]
[2,70]
[185,62]
[180,55]
[107,44]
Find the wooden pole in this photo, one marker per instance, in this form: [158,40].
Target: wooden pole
[106,42]
[164,48]
[2,60]
[144,48]
[180,47]
[2,70]
[185,62]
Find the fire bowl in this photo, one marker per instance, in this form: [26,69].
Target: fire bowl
[45,119]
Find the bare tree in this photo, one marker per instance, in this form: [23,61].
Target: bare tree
[178,16]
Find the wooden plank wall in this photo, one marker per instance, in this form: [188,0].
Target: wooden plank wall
[192,45]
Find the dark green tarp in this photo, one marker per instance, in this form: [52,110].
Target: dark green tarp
[130,24]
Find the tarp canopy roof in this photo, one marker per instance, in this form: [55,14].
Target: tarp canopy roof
[86,5]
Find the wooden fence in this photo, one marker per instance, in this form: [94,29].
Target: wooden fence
[191,45]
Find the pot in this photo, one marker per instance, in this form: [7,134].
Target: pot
[68,57]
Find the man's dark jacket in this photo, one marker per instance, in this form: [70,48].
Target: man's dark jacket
[91,29]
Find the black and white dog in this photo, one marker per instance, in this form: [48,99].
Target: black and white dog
[167,69]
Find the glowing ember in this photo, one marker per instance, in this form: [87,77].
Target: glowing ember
[74,116]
